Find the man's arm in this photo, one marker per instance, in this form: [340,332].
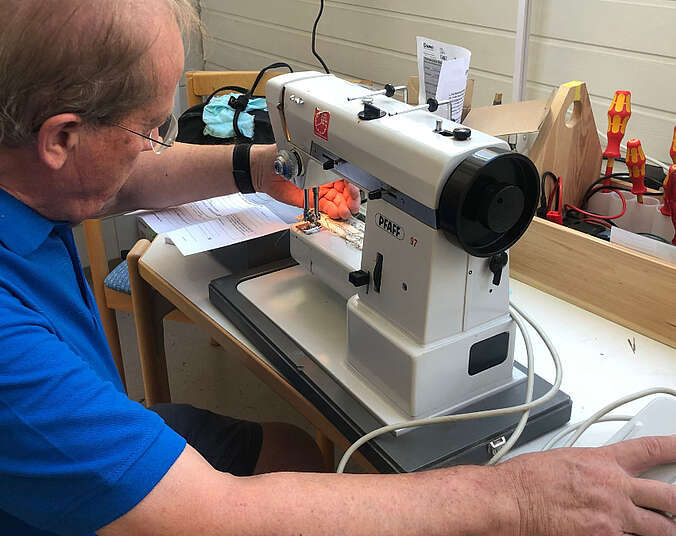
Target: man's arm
[182,174]
[188,173]
[193,498]
[567,492]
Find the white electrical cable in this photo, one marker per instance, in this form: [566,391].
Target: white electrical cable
[614,405]
[529,394]
[648,158]
[478,414]
[573,427]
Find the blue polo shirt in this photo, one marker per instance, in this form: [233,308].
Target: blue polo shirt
[75,452]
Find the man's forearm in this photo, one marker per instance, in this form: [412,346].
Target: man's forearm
[193,498]
[564,492]
[458,501]
[193,172]
[180,175]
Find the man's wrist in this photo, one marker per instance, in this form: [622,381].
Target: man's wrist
[241,168]
[489,500]
[262,160]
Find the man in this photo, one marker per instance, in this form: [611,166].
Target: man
[84,84]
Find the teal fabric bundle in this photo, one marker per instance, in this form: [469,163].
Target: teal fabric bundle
[218,116]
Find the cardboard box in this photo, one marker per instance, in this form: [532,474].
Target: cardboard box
[508,119]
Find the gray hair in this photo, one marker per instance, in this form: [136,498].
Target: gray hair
[74,56]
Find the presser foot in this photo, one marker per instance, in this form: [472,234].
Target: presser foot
[312,221]
[309,227]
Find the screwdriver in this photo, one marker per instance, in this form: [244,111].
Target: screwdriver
[666,207]
[636,164]
[671,181]
[618,117]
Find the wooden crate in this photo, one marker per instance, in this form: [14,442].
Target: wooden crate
[622,285]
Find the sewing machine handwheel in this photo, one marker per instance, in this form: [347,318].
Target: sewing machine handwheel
[489,201]
[501,207]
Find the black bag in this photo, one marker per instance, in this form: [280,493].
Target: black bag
[191,126]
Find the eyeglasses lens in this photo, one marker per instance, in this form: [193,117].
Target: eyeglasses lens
[166,133]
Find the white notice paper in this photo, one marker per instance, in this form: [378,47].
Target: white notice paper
[174,218]
[245,224]
[221,221]
[443,71]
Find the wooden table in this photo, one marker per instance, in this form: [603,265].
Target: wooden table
[599,362]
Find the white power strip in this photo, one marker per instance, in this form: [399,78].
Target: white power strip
[657,419]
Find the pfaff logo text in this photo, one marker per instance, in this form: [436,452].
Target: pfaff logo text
[388,225]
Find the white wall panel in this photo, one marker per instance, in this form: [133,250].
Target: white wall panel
[610,44]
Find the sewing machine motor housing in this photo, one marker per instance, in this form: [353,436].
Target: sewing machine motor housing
[428,321]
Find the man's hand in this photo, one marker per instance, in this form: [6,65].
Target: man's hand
[338,199]
[585,492]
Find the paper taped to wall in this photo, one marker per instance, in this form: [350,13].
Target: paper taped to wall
[443,71]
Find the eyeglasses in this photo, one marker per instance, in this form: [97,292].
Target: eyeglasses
[166,134]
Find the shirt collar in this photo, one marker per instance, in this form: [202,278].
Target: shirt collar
[22,230]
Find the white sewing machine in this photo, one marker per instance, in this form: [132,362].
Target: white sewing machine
[427,294]
[403,314]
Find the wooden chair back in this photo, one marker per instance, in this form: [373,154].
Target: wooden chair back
[201,84]
[98,264]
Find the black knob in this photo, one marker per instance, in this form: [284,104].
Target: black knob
[462,133]
[496,264]
[389,90]
[433,105]
[359,278]
[370,112]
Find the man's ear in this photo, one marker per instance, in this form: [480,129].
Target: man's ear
[57,138]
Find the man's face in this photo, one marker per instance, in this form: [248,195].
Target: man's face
[103,161]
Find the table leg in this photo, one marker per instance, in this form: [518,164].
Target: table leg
[328,452]
[149,310]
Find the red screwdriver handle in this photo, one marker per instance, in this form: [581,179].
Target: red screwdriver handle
[618,117]
[636,164]
[670,188]
[668,196]
[666,207]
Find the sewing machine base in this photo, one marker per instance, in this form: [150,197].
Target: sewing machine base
[269,324]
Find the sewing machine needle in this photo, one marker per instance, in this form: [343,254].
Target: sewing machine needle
[306,204]
[315,196]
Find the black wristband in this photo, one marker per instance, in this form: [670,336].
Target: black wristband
[241,168]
